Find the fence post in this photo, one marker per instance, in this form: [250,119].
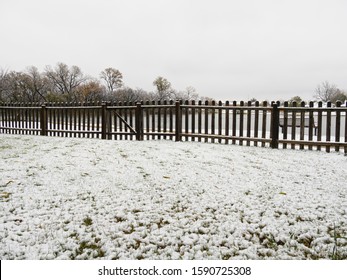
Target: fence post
[337,125]
[43,120]
[138,122]
[103,120]
[275,122]
[178,122]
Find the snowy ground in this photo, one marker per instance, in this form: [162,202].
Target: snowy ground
[66,198]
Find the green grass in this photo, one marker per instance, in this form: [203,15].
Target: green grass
[87,221]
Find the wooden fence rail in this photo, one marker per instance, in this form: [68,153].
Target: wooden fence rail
[303,126]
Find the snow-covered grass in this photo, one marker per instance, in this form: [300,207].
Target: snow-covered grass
[66,198]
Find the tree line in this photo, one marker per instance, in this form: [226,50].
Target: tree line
[325,92]
[68,84]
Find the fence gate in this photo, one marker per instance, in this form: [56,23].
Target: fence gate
[123,121]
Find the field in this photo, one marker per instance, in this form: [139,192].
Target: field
[64,198]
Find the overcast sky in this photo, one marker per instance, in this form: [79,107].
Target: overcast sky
[226,49]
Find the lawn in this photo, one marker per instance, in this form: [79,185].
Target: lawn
[66,198]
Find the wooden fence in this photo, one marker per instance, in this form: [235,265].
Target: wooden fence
[295,126]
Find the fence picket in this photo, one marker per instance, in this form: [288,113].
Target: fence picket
[165,117]
[147,127]
[320,126]
[178,121]
[337,126]
[256,123]
[193,120]
[206,112]
[171,118]
[241,123]
[249,122]
[311,125]
[153,119]
[234,122]
[328,130]
[302,124]
[274,126]
[345,149]
[220,104]
[263,134]
[293,135]
[227,122]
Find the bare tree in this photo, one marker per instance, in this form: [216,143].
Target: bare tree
[325,91]
[37,84]
[17,87]
[3,85]
[65,80]
[127,94]
[90,91]
[339,96]
[189,94]
[27,86]
[164,89]
[113,79]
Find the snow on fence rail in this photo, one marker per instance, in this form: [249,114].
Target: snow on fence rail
[242,123]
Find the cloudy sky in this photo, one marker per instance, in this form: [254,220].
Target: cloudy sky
[226,49]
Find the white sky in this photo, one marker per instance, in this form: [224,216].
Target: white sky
[226,49]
